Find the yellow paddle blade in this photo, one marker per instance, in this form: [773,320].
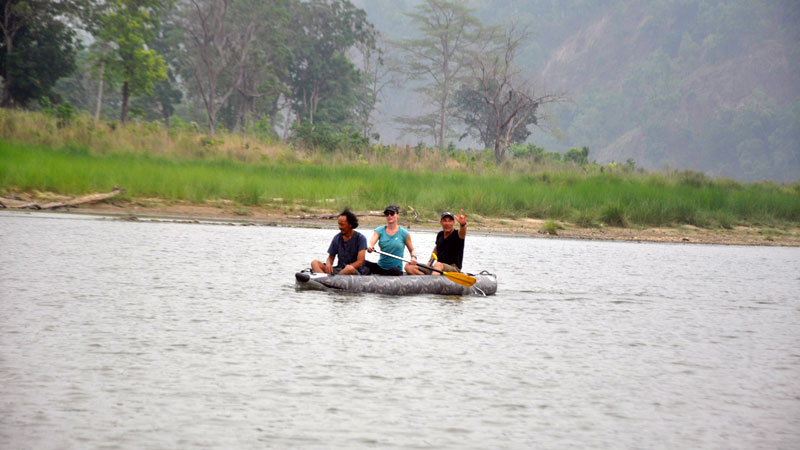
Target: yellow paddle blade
[460,278]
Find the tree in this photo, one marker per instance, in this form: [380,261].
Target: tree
[322,77]
[480,119]
[129,26]
[36,49]
[510,96]
[376,76]
[264,74]
[218,35]
[439,58]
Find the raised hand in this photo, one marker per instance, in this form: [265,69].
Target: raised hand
[461,218]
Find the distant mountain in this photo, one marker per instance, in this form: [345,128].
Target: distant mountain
[710,85]
[701,85]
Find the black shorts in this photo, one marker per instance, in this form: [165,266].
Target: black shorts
[361,270]
[375,269]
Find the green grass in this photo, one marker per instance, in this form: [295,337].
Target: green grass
[610,198]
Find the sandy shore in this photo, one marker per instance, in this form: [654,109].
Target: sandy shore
[226,212]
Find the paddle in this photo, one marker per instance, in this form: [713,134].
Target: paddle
[456,277]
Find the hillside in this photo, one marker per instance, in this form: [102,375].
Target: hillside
[653,85]
[699,84]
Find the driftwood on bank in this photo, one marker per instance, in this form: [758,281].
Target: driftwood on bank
[93,198]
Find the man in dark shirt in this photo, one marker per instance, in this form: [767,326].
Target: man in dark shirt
[349,245]
[449,248]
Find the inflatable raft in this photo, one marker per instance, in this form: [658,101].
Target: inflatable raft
[485,284]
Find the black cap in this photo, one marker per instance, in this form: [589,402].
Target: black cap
[393,208]
[448,214]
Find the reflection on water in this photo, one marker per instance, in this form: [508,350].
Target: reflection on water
[154,335]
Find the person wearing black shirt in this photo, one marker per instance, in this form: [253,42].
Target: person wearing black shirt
[449,248]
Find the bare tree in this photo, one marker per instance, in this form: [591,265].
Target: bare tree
[511,96]
[265,69]
[439,57]
[376,76]
[215,51]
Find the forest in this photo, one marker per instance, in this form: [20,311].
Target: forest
[705,85]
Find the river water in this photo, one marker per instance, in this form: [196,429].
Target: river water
[132,335]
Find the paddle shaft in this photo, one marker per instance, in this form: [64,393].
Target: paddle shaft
[455,277]
[405,260]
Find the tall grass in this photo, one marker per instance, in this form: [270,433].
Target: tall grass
[614,199]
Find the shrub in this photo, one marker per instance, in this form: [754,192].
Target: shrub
[693,178]
[63,113]
[613,214]
[585,219]
[552,227]
[579,156]
[325,137]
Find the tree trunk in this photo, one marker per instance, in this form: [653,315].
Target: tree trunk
[443,109]
[125,95]
[6,102]
[99,93]
[498,150]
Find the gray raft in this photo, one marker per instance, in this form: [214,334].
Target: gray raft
[486,284]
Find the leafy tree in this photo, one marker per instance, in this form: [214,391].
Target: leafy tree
[580,156]
[322,78]
[129,26]
[166,94]
[160,104]
[439,58]
[36,50]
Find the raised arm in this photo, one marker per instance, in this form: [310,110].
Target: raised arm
[461,218]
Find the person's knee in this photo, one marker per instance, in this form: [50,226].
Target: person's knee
[413,270]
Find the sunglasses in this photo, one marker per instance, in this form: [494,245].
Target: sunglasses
[388,213]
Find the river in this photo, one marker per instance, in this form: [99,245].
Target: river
[144,335]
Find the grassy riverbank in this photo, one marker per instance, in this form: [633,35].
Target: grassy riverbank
[153,162]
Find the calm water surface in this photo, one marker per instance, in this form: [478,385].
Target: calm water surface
[128,335]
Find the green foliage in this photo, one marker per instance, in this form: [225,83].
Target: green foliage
[126,28]
[551,227]
[692,178]
[578,156]
[613,214]
[38,48]
[585,218]
[64,113]
[615,199]
[539,155]
[322,78]
[325,137]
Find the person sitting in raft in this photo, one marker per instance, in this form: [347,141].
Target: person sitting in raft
[349,245]
[449,248]
[393,239]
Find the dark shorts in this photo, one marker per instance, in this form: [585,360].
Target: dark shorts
[361,270]
[447,268]
[375,269]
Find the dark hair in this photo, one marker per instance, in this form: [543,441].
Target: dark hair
[351,218]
